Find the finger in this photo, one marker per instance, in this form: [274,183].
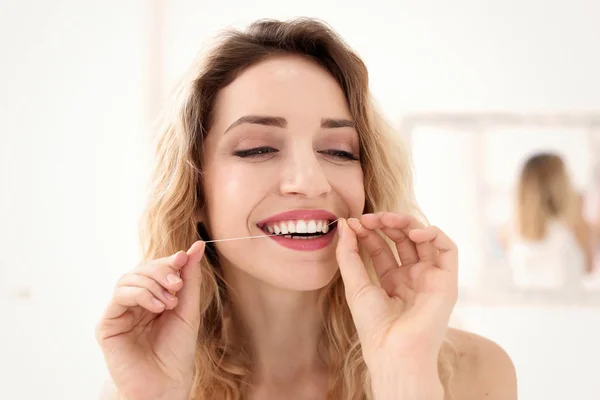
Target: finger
[191,274]
[126,297]
[163,274]
[448,251]
[406,223]
[395,226]
[115,308]
[377,248]
[352,269]
[174,262]
[160,292]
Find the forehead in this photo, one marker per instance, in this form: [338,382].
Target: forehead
[293,87]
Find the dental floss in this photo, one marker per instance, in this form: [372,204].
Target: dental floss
[252,237]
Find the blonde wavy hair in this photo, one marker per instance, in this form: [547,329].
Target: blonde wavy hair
[177,195]
[544,193]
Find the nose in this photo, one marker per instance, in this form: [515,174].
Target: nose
[303,175]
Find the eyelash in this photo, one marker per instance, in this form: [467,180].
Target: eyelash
[262,151]
[256,152]
[345,155]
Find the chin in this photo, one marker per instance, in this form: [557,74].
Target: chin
[296,276]
[305,277]
[303,273]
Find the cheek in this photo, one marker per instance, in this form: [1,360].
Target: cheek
[349,184]
[232,193]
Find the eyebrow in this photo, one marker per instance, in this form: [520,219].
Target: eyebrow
[280,122]
[331,123]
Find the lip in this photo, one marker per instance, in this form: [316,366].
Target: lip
[318,243]
[294,215]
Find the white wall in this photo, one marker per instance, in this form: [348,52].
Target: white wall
[555,349]
[72,101]
[532,55]
[78,83]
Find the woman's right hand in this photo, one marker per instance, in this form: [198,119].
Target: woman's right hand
[149,330]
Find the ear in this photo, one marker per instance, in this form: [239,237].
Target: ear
[199,215]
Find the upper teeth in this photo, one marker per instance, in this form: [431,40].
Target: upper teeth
[298,226]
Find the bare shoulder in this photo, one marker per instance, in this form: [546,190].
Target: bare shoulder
[483,370]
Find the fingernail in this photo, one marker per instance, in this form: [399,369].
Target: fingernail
[341,227]
[174,258]
[157,302]
[172,278]
[354,223]
[169,295]
[193,247]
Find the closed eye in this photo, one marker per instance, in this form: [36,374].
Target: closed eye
[255,152]
[340,154]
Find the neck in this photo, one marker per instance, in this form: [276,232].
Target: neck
[281,329]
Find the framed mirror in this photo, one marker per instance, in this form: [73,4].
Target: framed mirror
[468,170]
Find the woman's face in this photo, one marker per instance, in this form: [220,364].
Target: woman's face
[282,156]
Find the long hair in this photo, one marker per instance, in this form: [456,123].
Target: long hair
[545,193]
[177,193]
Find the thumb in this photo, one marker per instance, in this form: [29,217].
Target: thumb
[189,295]
[364,299]
[352,268]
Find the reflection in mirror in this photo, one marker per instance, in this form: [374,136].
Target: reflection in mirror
[521,196]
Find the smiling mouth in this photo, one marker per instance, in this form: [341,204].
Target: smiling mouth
[299,229]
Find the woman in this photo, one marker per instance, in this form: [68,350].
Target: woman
[274,133]
[551,247]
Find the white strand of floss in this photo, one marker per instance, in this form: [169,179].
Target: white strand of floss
[252,237]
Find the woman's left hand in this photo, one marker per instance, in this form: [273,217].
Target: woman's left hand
[401,323]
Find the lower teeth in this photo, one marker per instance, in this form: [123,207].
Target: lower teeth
[301,237]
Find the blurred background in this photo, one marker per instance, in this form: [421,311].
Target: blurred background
[476,88]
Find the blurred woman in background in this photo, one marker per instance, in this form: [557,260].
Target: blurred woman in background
[550,245]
